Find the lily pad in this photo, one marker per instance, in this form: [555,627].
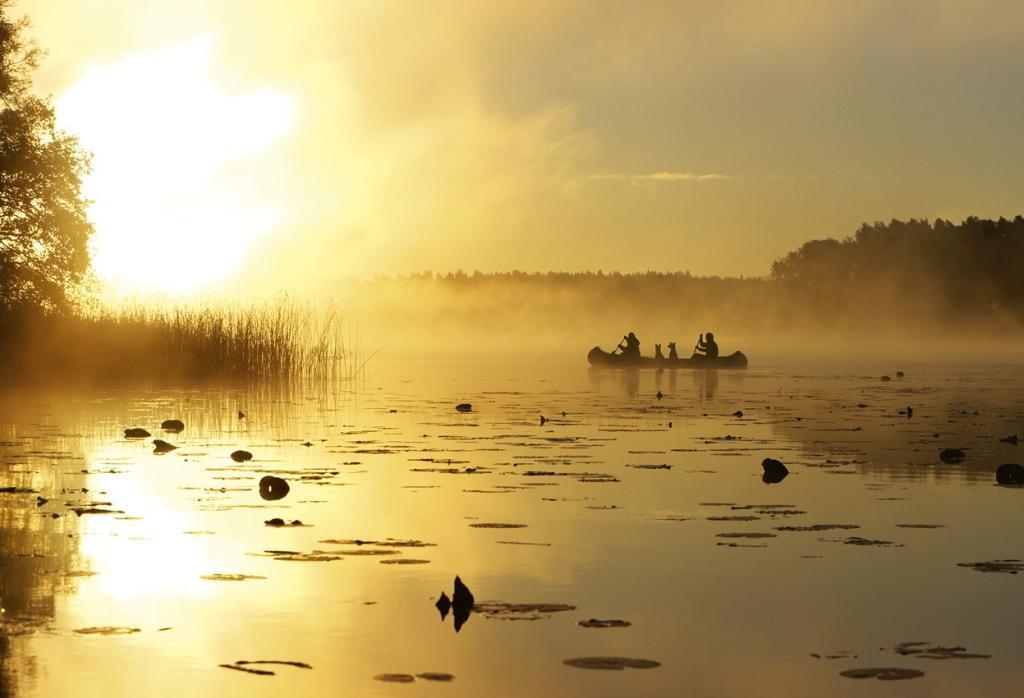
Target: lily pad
[611,663]
[596,623]
[107,630]
[869,542]
[817,527]
[282,662]
[395,678]
[520,611]
[435,676]
[1008,566]
[925,650]
[95,510]
[882,673]
[386,543]
[248,670]
[315,556]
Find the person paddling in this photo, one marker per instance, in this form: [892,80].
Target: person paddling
[632,348]
[706,349]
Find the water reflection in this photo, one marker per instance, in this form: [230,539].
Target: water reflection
[601,511]
[38,554]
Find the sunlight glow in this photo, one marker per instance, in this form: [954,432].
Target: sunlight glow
[176,187]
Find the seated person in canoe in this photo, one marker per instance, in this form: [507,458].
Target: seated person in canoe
[706,349]
[632,348]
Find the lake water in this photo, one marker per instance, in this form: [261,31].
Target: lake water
[690,554]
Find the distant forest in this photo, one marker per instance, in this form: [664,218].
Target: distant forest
[899,277]
[958,273]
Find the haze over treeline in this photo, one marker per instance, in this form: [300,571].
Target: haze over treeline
[890,288]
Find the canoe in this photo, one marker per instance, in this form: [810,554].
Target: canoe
[599,357]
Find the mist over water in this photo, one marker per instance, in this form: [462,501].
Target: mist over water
[564,315]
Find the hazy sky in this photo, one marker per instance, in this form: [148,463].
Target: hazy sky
[403,136]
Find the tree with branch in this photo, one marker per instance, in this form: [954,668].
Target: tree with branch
[44,226]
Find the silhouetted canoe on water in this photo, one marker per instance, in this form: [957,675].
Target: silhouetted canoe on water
[599,357]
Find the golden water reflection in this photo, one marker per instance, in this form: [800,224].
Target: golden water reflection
[723,615]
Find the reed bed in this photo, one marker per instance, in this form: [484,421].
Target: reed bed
[278,340]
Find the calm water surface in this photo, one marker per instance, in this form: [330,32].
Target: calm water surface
[390,457]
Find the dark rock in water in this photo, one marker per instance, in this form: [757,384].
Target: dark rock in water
[900,374]
[460,614]
[241,456]
[241,415]
[464,407]
[462,597]
[951,456]
[774,471]
[1010,474]
[462,604]
[175,426]
[910,411]
[278,522]
[886,379]
[161,447]
[659,395]
[1012,439]
[737,413]
[443,605]
[543,420]
[273,488]
[136,433]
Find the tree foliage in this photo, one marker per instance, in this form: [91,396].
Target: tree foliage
[44,227]
[947,270]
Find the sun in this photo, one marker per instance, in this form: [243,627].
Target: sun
[182,182]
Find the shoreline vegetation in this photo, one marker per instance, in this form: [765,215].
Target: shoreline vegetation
[279,340]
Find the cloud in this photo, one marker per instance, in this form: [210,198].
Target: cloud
[661,177]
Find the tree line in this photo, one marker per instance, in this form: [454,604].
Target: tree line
[967,272]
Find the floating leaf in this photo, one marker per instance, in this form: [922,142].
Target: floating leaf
[611,663]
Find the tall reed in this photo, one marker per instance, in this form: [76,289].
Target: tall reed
[275,340]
